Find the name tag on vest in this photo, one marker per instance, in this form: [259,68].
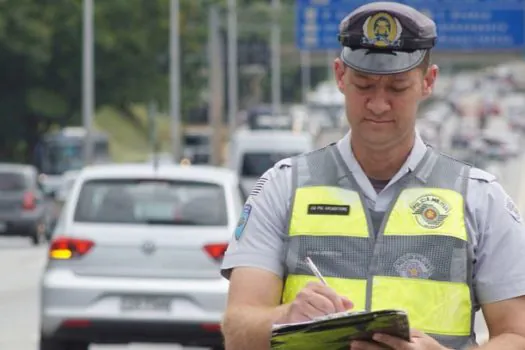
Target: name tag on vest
[328,209]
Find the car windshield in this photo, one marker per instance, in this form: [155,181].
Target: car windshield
[255,164]
[11,181]
[152,202]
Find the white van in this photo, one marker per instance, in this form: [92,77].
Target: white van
[251,153]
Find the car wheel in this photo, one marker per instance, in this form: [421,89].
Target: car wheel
[52,344]
[39,234]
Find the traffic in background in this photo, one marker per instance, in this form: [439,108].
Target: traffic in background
[122,218]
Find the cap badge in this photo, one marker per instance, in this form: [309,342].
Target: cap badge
[382,30]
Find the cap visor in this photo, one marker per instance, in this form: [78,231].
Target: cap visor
[381,63]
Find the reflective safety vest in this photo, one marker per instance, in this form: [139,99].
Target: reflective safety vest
[420,260]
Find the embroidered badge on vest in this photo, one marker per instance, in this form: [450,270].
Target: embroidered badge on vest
[328,209]
[413,266]
[430,211]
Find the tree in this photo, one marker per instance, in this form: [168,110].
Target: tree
[41,57]
[41,52]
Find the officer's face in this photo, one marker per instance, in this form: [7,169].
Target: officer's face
[382,109]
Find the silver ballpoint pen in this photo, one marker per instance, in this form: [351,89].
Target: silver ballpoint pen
[315,270]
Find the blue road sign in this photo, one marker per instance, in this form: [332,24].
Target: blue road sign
[463,25]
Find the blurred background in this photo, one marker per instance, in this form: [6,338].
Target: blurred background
[236,84]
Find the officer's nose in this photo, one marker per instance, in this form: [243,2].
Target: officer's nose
[378,104]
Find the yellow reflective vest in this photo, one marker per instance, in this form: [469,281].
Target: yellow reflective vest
[420,261]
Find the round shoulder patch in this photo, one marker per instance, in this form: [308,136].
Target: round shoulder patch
[512,209]
[245,215]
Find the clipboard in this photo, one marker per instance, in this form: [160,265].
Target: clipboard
[334,332]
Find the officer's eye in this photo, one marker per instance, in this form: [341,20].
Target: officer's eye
[399,88]
[363,87]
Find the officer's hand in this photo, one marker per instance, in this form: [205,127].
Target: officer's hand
[418,341]
[315,300]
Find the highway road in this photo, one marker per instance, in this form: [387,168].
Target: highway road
[20,269]
[21,265]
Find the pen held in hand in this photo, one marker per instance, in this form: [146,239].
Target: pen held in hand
[315,270]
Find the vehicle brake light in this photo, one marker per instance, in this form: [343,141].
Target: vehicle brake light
[29,201]
[216,250]
[76,323]
[63,248]
[211,327]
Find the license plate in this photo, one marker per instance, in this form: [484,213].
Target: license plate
[145,304]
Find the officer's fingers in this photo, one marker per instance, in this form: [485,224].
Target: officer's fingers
[307,299]
[414,333]
[306,293]
[310,311]
[330,294]
[322,303]
[347,304]
[393,342]
[309,288]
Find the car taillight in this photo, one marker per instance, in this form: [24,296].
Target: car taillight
[211,327]
[29,201]
[74,323]
[64,248]
[216,250]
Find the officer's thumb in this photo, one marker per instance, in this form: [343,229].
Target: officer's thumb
[347,304]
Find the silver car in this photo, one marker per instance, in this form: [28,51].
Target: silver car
[24,207]
[135,257]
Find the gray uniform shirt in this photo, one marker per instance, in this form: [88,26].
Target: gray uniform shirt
[498,243]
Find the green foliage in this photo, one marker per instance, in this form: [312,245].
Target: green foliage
[41,56]
[41,59]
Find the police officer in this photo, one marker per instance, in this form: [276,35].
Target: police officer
[389,221]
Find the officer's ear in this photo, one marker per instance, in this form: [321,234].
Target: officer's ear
[339,73]
[429,80]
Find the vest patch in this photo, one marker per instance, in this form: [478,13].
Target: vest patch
[328,209]
[430,211]
[413,266]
